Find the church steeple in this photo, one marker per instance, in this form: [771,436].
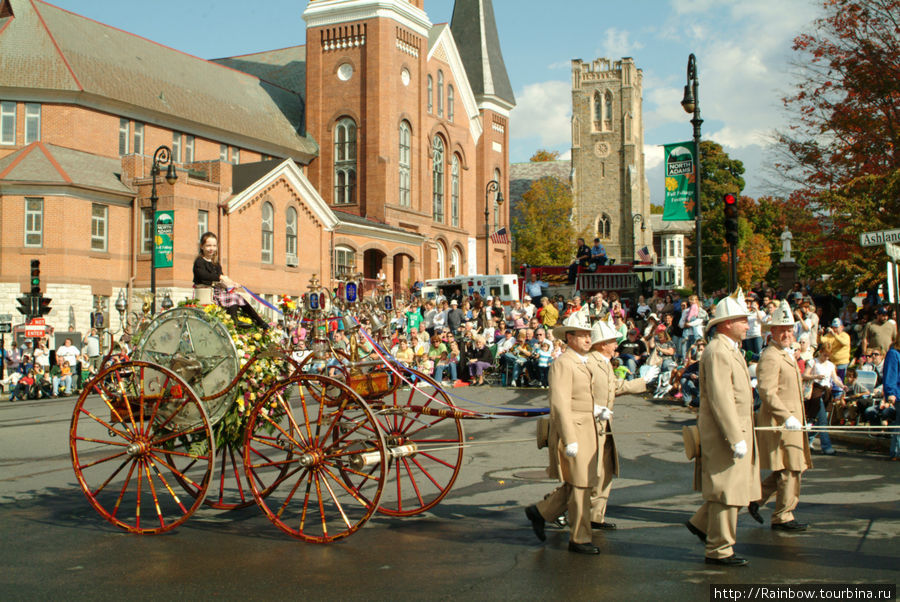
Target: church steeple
[475,31]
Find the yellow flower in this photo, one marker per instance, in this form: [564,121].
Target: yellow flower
[256,336]
[671,184]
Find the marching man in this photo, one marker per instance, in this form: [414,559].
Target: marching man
[729,466]
[603,348]
[785,453]
[572,417]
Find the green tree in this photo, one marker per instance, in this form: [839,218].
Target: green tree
[543,154]
[719,174]
[543,231]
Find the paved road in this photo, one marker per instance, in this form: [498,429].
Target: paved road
[475,545]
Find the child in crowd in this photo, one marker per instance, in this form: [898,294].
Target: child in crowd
[619,369]
[544,359]
[558,348]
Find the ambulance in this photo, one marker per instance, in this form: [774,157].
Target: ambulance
[505,286]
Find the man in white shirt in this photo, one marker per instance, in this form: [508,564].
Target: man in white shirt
[529,307]
[69,352]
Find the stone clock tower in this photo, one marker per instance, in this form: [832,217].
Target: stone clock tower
[612,200]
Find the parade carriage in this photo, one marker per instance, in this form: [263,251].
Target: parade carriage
[320,439]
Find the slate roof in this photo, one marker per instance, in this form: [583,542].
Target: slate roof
[285,67]
[670,227]
[351,218]
[55,165]
[79,60]
[475,31]
[522,175]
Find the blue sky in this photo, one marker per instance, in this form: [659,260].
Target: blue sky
[743,51]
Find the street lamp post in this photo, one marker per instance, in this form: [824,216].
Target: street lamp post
[638,218]
[691,104]
[492,186]
[162,156]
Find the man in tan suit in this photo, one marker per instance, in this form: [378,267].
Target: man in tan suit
[785,453]
[571,417]
[729,467]
[603,348]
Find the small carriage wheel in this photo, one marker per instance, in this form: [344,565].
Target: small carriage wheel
[315,458]
[129,422]
[431,445]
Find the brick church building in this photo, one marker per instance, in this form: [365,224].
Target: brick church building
[370,148]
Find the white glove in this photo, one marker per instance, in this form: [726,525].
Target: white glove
[572,450]
[602,413]
[792,424]
[740,449]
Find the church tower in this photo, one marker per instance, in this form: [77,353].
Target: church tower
[611,197]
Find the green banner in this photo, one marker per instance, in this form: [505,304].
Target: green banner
[163,247]
[680,181]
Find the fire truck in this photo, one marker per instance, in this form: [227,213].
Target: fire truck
[628,280]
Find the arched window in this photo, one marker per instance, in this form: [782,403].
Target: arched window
[437,179]
[290,234]
[454,191]
[430,94]
[496,194]
[450,102]
[455,262]
[440,93]
[345,162]
[441,259]
[598,108]
[405,164]
[608,111]
[604,227]
[268,232]
[344,261]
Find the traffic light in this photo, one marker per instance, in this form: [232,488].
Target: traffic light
[36,277]
[24,305]
[44,306]
[731,218]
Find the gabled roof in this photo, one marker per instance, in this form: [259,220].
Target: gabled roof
[440,38]
[48,52]
[475,31]
[48,164]
[285,67]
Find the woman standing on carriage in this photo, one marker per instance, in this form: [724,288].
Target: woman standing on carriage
[208,273]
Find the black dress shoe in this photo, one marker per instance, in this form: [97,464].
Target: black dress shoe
[583,548]
[791,525]
[753,508]
[729,561]
[604,525]
[700,534]
[537,522]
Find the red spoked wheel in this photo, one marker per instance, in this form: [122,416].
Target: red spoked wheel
[139,437]
[315,458]
[228,489]
[424,451]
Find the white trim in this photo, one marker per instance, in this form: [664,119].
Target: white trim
[379,233]
[495,104]
[332,12]
[463,88]
[295,177]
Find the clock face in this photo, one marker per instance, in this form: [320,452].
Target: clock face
[201,352]
[601,149]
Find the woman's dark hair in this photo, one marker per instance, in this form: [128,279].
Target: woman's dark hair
[206,236]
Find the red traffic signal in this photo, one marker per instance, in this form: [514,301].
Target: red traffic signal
[45,308]
[731,217]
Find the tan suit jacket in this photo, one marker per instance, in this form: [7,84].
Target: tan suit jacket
[780,392]
[726,417]
[605,390]
[572,417]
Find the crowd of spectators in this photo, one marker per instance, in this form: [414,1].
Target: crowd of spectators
[47,371]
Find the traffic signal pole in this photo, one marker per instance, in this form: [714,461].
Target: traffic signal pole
[730,211]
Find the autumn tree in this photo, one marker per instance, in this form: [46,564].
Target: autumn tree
[843,145]
[754,254]
[543,230]
[544,155]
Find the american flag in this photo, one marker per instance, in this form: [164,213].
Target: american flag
[500,237]
[644,254]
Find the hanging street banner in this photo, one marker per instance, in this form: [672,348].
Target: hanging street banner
[165,234]
[680,181]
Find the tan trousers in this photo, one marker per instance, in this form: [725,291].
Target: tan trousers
[719,522]
[575,500]
[786,485]
[600,493]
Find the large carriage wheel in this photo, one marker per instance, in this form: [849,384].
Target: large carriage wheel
[430,446]
[128,425]
[315,458]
